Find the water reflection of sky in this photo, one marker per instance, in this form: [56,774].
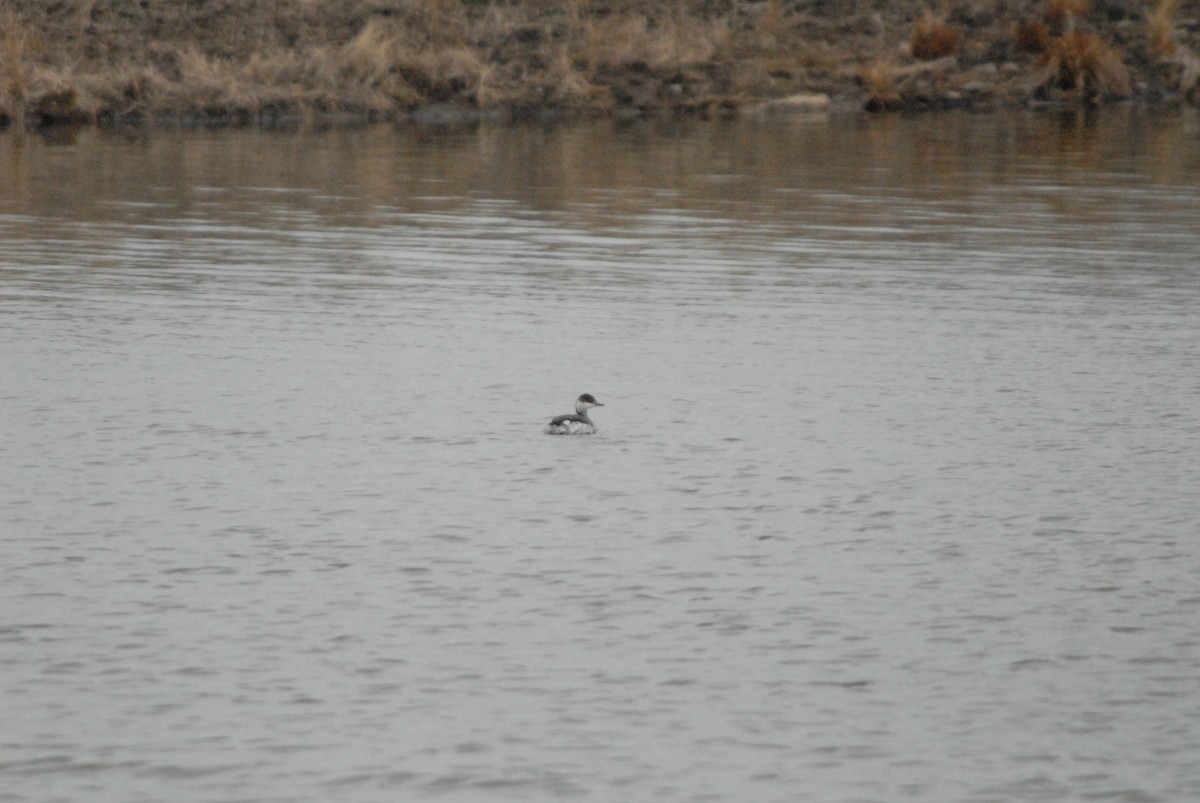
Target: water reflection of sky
[893,494]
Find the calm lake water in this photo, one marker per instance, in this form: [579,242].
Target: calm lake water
[894,494]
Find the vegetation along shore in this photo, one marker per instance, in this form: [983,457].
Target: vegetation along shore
[270,61]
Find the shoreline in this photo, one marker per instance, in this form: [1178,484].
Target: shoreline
[330,63]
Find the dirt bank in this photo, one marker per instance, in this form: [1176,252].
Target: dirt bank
[262,61]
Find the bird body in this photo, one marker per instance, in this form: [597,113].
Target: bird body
[577,423]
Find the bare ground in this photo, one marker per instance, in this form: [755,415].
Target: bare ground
[264,61]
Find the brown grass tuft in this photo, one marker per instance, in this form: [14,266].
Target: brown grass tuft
[371,54]
[18,44]
[1033,36]
[933,39]
[771,22]
[878,78]
[566,85]
[1161,27]
[622,40]
[1065,12]
[1165,44]
[1085,65]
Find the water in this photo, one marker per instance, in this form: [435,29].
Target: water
[893,495]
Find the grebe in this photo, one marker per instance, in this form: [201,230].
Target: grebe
[577,424]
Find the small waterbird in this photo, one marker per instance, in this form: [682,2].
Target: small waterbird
[577,424]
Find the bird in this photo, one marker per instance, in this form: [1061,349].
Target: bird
[578,423]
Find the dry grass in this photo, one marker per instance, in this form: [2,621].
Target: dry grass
[1033,36]
[1065,12]
[634,39]
[771,23]
[1164,43]
[17,43]
[389,65]
[878,79]
[932,38]
[1086,66]
[1161,27]
[245,60]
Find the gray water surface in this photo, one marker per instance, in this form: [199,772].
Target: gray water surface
[893,495]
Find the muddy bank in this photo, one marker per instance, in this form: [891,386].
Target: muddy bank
[264,61]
